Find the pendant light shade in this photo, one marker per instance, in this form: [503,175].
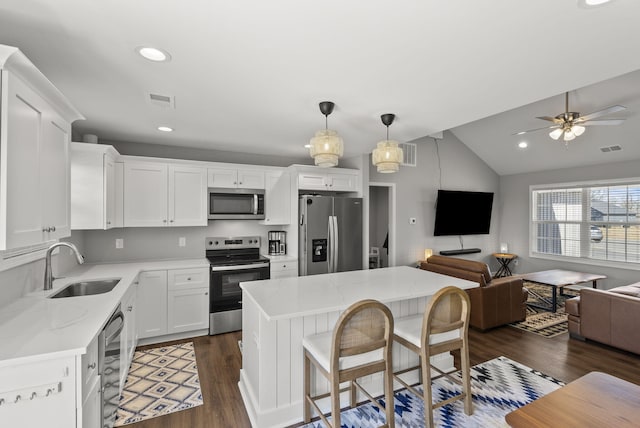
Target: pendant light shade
[387,156]
[326,147]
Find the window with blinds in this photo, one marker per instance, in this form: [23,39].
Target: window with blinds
[591,221]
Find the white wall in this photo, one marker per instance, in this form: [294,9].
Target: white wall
[416,197]
[514,215]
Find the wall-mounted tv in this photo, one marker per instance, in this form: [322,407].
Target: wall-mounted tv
[463,213]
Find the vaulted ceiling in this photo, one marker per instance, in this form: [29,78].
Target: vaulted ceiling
[247,75]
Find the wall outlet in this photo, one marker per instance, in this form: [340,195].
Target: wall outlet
[412,220]
[515,262]
[119,243]
[182,241]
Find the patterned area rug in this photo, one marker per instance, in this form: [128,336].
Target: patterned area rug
[498,387]
[161,381]
[540,321]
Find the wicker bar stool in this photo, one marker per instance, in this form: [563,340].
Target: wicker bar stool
[443,328]
[359,345]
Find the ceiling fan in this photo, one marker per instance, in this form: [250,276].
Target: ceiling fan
[570,124]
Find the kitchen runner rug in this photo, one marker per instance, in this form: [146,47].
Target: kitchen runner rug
[498,387]
[161,380]
[540,321]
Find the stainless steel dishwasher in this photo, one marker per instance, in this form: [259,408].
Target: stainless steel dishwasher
[109,363]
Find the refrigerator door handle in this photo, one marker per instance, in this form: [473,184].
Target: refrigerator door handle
[335,243]
[330,244]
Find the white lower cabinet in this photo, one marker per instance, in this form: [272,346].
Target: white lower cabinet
[152,304]
[92,406]
[188,301]
[283,269]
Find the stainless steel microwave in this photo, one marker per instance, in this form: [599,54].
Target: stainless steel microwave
[239,204]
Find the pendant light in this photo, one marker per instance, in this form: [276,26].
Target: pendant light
[387,156]
[326,147]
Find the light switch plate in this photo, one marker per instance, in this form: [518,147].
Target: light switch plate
[412,220]
[119,243]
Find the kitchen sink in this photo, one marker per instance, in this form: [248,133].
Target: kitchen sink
[87,288]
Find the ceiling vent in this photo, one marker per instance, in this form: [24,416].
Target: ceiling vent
[165,101]
[608,149]
[409,154]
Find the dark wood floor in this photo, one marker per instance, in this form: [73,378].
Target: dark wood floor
[219,362]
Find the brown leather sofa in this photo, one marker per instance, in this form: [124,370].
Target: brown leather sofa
[610,316]
[495,302]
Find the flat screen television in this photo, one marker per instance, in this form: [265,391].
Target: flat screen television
[463,213]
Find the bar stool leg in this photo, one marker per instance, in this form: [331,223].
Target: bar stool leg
[335,402]
[388,395]
[427,393]
[466,378]
[307,389]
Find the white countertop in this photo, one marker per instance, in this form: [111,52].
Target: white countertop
[309,295]
[36,327]
[285,258]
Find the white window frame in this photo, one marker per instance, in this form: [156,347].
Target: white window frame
[10,259]
[586,217]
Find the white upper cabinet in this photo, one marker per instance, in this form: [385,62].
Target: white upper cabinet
[277,198]
[158,194]
[232,178]
[145,194]
[336,181]
[35,129]
[187,196]
[96,189]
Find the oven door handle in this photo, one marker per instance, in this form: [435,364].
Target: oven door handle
[239,267]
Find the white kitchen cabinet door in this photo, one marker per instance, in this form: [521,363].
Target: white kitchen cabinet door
[145,194]
[54,172]
[283,269]
[187,196]
[92,406]
[21,123]
[118,219]
[312,181]
[188,300]
[151,318]
[228,178]
[95,187]
[277,199]
[188,309]
[250,179]
[342,182]
[225,178]
[129,337]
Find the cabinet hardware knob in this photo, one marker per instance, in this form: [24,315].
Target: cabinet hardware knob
[189,279]
[130,308]
[108,222]
[18,398]
[164,221]
[44,229]
[136,282]
[206,294]
[240,182]
[33,395]
[53,228]
[170,221]
[235,182]
[92,366]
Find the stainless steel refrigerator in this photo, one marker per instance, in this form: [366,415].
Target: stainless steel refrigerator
[330,234]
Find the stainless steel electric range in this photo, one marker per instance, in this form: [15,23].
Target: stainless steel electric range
[232,260]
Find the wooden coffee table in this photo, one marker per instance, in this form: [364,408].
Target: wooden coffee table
[558,278]
[594,400]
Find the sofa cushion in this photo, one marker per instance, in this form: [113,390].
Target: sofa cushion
[628,290]
[572,306]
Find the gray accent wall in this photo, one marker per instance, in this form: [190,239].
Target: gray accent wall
[514,215]
[416,191]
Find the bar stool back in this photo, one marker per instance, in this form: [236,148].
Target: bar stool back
[359,345]
[443,328]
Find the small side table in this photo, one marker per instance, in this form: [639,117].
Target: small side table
[504,259]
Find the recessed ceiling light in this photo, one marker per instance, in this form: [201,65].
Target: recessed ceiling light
[523,144]
[164,129]
[593,3]
[153,54]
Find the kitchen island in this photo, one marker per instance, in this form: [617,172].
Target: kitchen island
[278,313]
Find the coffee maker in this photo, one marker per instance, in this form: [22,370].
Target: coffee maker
[277,243]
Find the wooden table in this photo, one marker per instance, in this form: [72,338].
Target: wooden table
[559,278]
[504,259]
[594,400]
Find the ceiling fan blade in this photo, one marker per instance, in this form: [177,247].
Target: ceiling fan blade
[608,110]
[602,122]
[550,119]
[536,129]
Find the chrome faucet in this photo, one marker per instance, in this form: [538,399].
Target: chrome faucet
[48,273]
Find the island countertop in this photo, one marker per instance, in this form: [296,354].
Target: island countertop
[315,294]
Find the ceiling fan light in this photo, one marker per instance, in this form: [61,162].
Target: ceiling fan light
[556,133]
[387,156]
[326,147]
[568,135]
[578,130]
